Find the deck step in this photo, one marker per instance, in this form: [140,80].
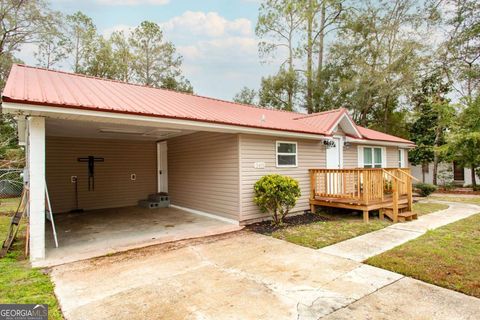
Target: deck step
[407,216]
[400,206]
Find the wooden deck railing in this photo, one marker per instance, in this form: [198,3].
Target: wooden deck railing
[362,185]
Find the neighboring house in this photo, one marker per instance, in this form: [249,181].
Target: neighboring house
[451,172]
[206,153]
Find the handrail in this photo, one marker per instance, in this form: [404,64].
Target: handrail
[408,174]
[397,178]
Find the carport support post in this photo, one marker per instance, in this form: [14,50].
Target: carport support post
[36,168]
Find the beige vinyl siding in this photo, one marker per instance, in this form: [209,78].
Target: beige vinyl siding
[113,186]
[350,156]
[254,148]
[203,173]
[392,157]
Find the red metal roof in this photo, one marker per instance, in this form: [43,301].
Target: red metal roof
[39,86]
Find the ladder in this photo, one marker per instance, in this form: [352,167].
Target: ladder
[14,223]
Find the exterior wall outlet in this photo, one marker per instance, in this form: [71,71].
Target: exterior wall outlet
[133,177]
[73,179]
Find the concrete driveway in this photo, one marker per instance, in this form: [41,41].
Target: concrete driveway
[246,276]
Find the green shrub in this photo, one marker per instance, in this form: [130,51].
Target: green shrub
[276,194]
[425,189]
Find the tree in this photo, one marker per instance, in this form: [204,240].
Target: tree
[99,61]
[463,142]
[378,60]
[156,62]
[426,130]
[275,90]
[122,56]
[22,22]
[279,22]
[461,51]
[320,16]
[463,147]
[52,47]
[246,96]
[82,34]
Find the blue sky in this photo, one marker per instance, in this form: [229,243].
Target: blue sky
[215,37]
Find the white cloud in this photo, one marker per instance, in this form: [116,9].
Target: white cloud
[209,24]
[132,2]
[119,27]
[219,54]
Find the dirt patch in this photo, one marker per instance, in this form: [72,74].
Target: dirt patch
[266,227]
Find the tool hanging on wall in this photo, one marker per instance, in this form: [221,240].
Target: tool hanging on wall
[91,170]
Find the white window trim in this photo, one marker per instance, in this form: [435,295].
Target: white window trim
[361,164]
[286,154]
[401,162]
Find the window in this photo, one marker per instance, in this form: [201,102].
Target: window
[372,157]
[286,154]
[401,158]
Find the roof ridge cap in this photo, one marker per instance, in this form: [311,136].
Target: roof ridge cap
[316,114]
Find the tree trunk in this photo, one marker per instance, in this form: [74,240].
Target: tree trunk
[435,168]
[321,39]
[474,180]
[385,115]
[438,133]
[424,169]
[309,74]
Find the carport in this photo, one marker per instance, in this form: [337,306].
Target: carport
[98,213]
[141,144]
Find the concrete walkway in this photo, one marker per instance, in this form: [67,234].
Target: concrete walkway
[371,244]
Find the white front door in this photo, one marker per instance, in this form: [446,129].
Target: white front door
[162,166]
[334,154]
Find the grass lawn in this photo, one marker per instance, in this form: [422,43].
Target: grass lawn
[424,208]
[18,282]
[448,256]
[340,227]
[9,205]
[473,200]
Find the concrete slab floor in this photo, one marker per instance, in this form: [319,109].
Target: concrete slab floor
[99,232]
[373,243]
[240,275]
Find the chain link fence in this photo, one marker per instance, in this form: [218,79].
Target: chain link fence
[11,187]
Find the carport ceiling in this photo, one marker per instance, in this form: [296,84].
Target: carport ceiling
[99,130]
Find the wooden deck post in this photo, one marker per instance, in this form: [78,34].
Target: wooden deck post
[395,200]
[365,216]
[409,193]
[312,190]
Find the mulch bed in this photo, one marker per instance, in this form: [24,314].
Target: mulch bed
[266,227]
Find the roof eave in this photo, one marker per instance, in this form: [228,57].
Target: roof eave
[406,145]
[10,105]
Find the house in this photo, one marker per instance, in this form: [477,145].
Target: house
[206,153]
[447,173]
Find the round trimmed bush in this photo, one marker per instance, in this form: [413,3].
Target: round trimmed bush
[425,189]
[276,194]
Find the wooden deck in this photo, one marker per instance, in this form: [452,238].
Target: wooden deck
[388,190]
